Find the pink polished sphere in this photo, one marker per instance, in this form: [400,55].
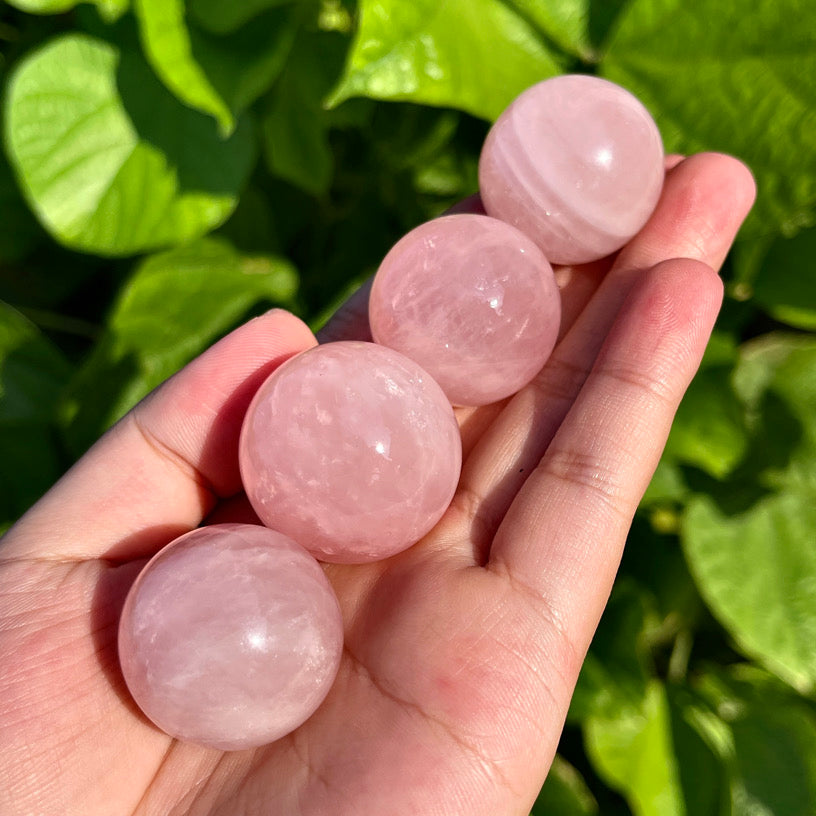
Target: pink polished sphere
[352,450]
[473,301]
[576,163]
[230,637]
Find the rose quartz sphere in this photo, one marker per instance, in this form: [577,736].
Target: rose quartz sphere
[576,163]
[351,449]
[230,637]
[473,301]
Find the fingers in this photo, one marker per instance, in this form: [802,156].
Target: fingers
[710,194]
[161,469]
[577,284]
[704,201]
[563,535]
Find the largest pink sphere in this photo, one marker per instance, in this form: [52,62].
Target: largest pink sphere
[351,449]
[576,163]
[230,637]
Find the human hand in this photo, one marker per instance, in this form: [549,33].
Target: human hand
[462,652]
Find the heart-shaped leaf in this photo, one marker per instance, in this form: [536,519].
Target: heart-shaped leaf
[109,161]
[735,76]
[754,562]
[475,55]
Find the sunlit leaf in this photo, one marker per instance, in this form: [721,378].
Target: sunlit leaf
[755,562]
[757,572]
[174,306]
[109,10]
[565,22]
[109,161]
[634,752]
[218,75]
[735,76]
[474,55]
[709,428]
[166,41]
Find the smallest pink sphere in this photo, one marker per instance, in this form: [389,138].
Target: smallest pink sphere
[473,301]
[230,637]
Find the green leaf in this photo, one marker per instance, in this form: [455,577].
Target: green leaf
[775,750]
[603,17]
[757,573]
[657,757]
[579,27]
[745,258]
[32,375]
[166,42]
[770,744]
[785,285]
[109,10]
[412,136]
[565,22]
[667,484]
[564,793]
[109,161]
[296,127]
[174,306]
[474,55]
[653,558]
[709,428]
[735,76]
[702,770]
[752,555]
[633,752]
[776,379]
[614,675]
[222,17]
[217,75]
[43,6]
[243,65]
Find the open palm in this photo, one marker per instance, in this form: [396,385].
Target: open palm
[461,653]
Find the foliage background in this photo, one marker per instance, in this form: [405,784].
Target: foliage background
[170,168]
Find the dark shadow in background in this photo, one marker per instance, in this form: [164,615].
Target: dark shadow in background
[204,160]
[603,15]
[771,449]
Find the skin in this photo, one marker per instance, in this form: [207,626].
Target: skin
[461,653]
